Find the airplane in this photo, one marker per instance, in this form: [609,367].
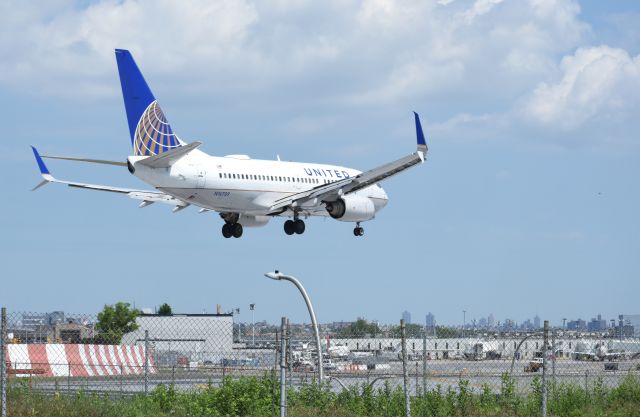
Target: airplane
[598,352]
[245,192]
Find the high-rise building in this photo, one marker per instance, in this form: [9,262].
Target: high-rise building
[633,320]
[536,322]
[430,320]
[577,325]
[597,324]
[491,321]
[430,323]
[406,316]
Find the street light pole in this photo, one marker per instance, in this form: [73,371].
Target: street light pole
[253,325]
[277,275]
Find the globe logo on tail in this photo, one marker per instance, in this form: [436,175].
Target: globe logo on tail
[153,134]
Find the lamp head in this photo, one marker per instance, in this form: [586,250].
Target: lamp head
[274,275]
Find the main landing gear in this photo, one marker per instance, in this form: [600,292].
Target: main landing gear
[358,231]
[294,226]
[232,229]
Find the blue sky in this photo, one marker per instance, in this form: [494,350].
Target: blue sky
[527,205]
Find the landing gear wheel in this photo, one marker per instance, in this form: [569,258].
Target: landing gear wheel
[289,227]
[237,230]
[227,231]
[298,226]
[358,231]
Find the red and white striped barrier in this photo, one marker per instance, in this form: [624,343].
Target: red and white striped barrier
[78,360]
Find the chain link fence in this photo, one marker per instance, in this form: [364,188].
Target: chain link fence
[64,353]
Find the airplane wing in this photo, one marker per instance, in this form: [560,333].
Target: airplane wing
[147,197]
[332,191]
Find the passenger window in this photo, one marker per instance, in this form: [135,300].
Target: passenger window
[234,176]
[220,174]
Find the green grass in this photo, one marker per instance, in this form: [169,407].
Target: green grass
[255,397]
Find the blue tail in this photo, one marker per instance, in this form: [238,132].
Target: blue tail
[150,131]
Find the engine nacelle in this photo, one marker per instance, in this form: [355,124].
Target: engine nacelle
[351,208]
[253,221]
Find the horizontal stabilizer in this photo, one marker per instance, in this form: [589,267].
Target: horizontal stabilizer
[146,196]
[168,158]
[93,161]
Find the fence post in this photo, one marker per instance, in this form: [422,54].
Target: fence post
[424,361]
[288,356]
[586,382]
[283,368]
[121,377]
[273,375]
[417,384]
[553,359]
[405,376]
[68,379]
[146,362]
[3,362]
[545,340]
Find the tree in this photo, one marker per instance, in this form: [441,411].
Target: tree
[359,329]
[114,321]
[165,310]
[411,331]
[444,332]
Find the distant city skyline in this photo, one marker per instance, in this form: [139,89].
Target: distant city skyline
[627,326]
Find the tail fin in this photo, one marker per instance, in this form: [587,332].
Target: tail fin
[150,131]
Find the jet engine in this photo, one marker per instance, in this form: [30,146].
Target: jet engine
[351,208]
[253,221]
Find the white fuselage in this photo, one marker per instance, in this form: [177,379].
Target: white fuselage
[236,183]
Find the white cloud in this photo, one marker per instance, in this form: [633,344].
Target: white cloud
[70,52]
[374,51]
[595,82]
[481,63]
[480,7]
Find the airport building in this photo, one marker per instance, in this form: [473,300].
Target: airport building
[185,338]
